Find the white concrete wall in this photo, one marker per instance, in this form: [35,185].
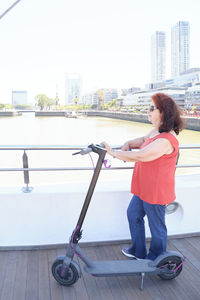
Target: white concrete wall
[48,214]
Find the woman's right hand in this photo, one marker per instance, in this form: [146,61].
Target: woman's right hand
[125,147]
[108,148]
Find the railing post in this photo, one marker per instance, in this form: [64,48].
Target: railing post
[26,189]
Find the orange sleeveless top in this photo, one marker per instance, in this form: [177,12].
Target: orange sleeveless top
[154,181]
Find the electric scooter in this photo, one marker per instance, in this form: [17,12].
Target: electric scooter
[67,271]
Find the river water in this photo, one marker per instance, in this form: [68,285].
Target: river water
[30,130]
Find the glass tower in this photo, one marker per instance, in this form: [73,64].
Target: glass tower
[158,56]
[180,54]
[72,89]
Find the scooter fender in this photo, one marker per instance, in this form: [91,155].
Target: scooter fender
[155,262]
[62,257]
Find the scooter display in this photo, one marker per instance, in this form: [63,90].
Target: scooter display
[67,271]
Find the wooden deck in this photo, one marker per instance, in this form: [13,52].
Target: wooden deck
[27,275]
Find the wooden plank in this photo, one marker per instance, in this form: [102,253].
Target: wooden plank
[10,271]
[170,289]
[89,281]
[55,287]
[181,287]
[21,275]
[80,288]
[32,275]
[189,279]
[188,250]
[27,275]
[103,289]
[178,288]
[113,282]
[3,263]
[68,292]
[131,284]
[77,291]
[81,285]
[164,289]
[44,284]
[195,243]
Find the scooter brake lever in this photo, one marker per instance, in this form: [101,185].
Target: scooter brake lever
[76,153]
[83,151]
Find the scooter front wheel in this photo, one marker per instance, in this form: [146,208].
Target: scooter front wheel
[172,265]
[70,277]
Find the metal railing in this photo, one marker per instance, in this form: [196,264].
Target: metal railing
[26,168]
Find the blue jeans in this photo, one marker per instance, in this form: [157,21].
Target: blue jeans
[156,218]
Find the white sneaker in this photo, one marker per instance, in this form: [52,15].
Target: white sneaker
[126,253]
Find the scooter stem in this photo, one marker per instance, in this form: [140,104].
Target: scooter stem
[102,153]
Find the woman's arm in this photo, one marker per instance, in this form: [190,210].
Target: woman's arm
[135,143]
[152,151]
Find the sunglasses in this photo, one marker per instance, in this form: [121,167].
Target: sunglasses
[152,107]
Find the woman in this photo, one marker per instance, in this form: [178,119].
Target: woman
[153,181]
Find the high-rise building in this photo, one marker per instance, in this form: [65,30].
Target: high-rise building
[19,97]
[158,56]
[180,54]
[73,86]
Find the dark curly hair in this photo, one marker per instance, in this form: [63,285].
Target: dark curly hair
[170,113]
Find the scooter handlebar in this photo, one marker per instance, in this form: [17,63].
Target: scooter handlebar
[88,149]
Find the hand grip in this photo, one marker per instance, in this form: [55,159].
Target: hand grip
[83,151]
[88,149]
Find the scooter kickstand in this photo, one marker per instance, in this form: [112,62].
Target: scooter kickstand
[142,281]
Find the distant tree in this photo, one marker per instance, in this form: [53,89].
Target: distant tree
[50,102]
[5,106]
[94,106]
[62,107]
[8,106]
[68,107]
[112,103]
[2,105]
[42,101]
[87,106]
[101,99]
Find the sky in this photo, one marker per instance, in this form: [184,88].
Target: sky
[108,42]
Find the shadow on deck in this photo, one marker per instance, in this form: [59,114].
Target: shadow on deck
[26,275]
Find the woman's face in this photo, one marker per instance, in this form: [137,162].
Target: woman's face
[154,115]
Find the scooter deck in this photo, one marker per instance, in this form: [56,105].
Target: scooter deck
[120,267]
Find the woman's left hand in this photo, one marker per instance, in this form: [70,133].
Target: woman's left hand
[108,149]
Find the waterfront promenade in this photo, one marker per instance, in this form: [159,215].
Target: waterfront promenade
[192,123]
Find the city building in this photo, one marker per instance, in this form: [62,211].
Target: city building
[109,95]
[192,96]
[180,52]
[158,56]
[73,88]
[144,97]
[19,97]
[104,95]
[185,79]
[90,99]
[128,91]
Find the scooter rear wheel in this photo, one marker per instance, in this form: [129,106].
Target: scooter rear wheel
[70,278]
[172,265]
